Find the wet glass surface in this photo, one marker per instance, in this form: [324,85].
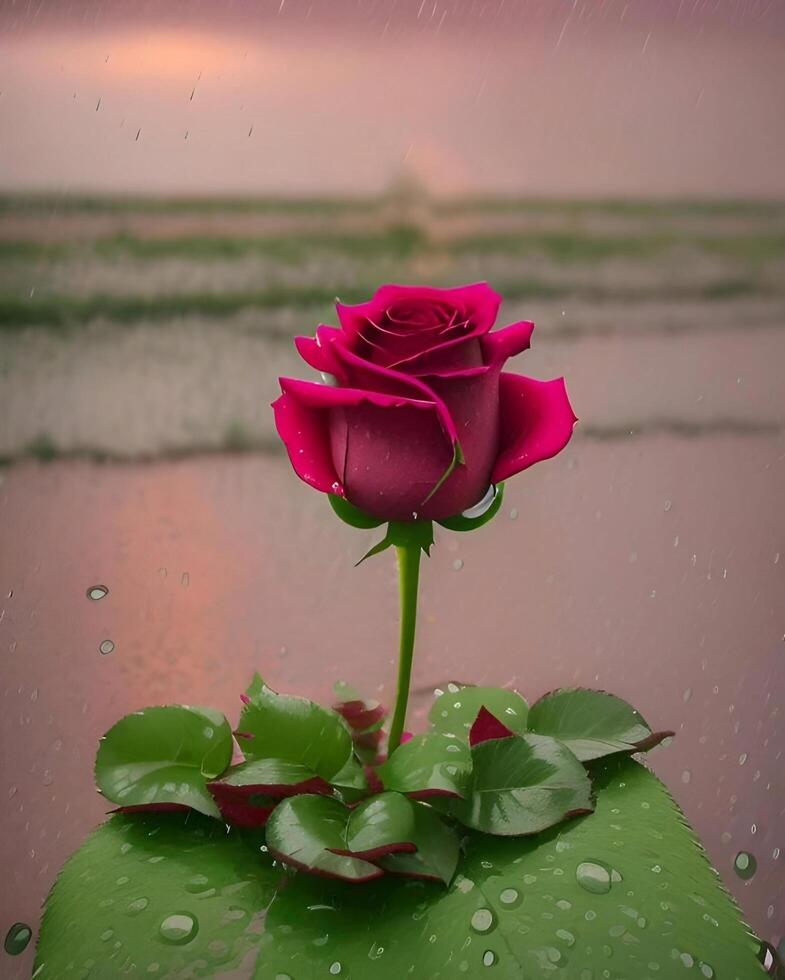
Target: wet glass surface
[155,546]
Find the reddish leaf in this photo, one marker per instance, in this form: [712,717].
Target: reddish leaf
[486,727]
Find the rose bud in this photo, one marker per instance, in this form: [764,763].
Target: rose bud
[416,418]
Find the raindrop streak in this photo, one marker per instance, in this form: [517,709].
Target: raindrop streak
[107,646]
[593,877]
[745,865]
[96,592]
[179,928]
[17,938]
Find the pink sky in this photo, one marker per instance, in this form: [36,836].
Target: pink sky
[587,98]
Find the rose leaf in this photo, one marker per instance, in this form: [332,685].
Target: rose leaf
[523,785]
[428,765]
[455,711]
[293,729]
[592,723]
[438,849]
[164,755]
[307,831]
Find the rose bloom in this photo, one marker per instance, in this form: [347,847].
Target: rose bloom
[415,418]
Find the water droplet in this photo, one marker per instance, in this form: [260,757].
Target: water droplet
[667,506]
[488,958]
[509,896]
[686,776]
[768,958]
[743,758]
[197,884]
[745,865]
[457,565]
[687,694]
[96,592]
[706,970]
[482,920]
[17,938]
[138,905]
[282,976]
[687,960]
[513,513]
[335,968]
[593,877]
[483,505]
[179,928]
[185,580]
[107,646]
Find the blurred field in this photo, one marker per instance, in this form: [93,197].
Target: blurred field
[141,328]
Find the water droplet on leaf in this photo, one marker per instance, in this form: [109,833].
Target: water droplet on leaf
[593,877]
[179,928]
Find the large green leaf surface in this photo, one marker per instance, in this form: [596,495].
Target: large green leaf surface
[157,895]
[625,893]
[164,755]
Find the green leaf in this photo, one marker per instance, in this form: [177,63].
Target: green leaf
[428,765]
[158,895]
[518,906]
[528,907]
[404,534]
[463,523]
[381,825]
[438,849]
[270,775]
[350,781]
[592,723]
[305,831]
[521,785]
[164,755]
[454,712]
[295,730]
[350,514]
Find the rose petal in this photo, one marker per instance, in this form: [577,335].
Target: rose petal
[365,374]
[452,355]
[311,351]
[536,421]
[501,344]
[303,418]
[477,301]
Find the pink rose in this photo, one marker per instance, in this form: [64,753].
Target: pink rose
[416,418]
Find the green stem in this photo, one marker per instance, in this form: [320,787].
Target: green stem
[408,578]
